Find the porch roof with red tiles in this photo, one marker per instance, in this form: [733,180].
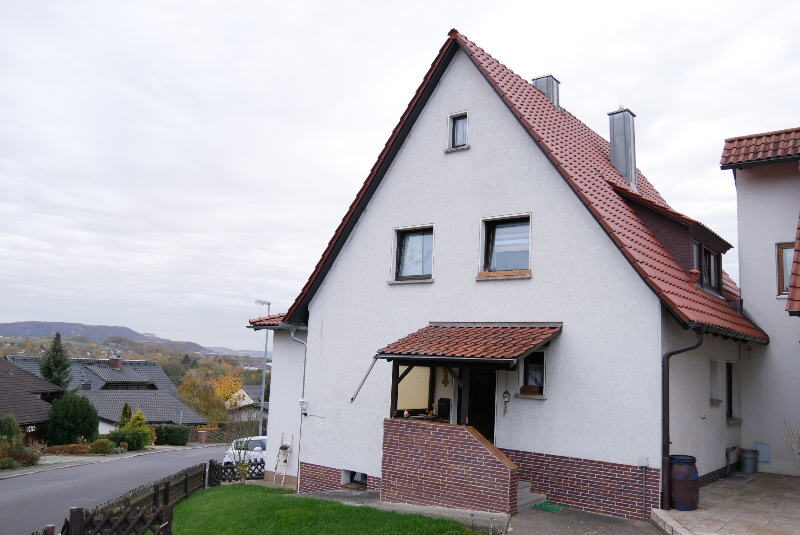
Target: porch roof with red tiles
[793,303]
[500,341]
[267,321]
[583,159]
[756,149]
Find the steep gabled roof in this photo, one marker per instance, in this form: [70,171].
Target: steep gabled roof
[793,302]
[583,158]
[756,149]
[19,394]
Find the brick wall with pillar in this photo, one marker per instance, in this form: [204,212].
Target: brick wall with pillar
[596,486]
[426,463]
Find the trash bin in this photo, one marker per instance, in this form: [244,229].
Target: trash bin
[684,486]
[748,461]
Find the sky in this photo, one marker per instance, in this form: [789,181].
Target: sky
[163,165]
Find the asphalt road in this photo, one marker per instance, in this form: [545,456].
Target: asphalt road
[29,502]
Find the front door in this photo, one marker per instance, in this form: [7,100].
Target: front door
[481,401]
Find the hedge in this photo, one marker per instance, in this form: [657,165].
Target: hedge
[172,435]
[137,438]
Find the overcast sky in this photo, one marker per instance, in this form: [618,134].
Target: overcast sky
[164,164]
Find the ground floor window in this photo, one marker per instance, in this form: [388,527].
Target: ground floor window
[533,375]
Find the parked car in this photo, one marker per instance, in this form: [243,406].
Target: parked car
[252,448]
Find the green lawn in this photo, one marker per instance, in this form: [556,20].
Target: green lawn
[237,509]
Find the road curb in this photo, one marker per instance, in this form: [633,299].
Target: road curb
[105,460]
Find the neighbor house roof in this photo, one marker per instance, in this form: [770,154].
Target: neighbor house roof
[757,149]
[583,158]
[85,370]
[20,394]
[254,391]
[123,374]
[793,302]
[501,341]
[158,406]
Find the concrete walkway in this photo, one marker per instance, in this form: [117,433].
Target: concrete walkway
[574,522]
[748,504]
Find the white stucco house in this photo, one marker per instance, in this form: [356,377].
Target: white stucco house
[508,299]
[766,168]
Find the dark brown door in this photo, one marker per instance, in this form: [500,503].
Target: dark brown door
[481,401]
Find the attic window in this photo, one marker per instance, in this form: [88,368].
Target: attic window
[708,263]
[458,132]
[785,258]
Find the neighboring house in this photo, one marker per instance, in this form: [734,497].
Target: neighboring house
[507,270]
[248,404]
[21,394]
[766,168]
[110,383]
[159,407]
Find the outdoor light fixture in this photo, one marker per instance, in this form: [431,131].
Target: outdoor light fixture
[506,399]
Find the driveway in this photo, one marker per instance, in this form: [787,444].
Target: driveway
[28,502]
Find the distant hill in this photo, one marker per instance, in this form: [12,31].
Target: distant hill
[237,352]
[95,333]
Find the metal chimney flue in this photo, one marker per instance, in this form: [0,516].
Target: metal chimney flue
[549,86]
[623,143]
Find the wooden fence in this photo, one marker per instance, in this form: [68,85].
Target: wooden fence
[146,508]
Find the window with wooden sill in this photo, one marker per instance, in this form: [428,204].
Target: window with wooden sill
[784,265]
[506,247]
[533,375]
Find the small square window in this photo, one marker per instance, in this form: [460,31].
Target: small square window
[507,245]
[785,259]
[533,378]
[414,254]
[458,131]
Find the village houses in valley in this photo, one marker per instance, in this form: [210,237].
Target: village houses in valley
[509,306]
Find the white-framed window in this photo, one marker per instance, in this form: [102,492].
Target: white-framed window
[413,253]
[533,375]
[784,265]
[709,264]
[507,245]
[457,131]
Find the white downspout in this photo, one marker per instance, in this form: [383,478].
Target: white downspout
[302,400]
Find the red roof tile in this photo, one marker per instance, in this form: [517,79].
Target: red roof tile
[267,321]
[761,148]
[497,341]
[583,159]
[793,303]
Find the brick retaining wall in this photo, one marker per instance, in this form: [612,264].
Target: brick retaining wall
[315,477]
[445,465]
[596,486]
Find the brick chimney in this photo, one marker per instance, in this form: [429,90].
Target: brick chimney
[115,363]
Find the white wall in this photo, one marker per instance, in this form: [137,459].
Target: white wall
[284,395]
[104,428]
[698,427]
[768,204]
[603,372]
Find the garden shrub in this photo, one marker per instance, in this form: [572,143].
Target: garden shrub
[123,446]
[102,445]
[8,464]
[68,449]
[172,435]
[71,417]
[9,427]
[137,438]
[17,450]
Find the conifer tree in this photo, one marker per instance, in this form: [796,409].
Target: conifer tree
[55,365]
[125,417]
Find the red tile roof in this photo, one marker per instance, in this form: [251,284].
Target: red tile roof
[496,341]
[756,149]
[793,303]
[583,159]
[267,321]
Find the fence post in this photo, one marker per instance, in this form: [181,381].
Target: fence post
[49,529]
[167,514]
[155,495]
[75,521]
[186,484]
[205,476]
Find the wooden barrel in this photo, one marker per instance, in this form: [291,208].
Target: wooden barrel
[684,487]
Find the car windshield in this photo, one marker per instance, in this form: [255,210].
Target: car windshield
[250,445]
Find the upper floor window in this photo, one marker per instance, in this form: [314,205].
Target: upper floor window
[507,246]
[414,254]
[458,131]
[707,262]
[785,259]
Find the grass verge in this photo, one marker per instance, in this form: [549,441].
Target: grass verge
[236,509]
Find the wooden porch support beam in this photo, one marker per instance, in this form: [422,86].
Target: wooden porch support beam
[403,375]
[464,396]
[455,376]
[395,382]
